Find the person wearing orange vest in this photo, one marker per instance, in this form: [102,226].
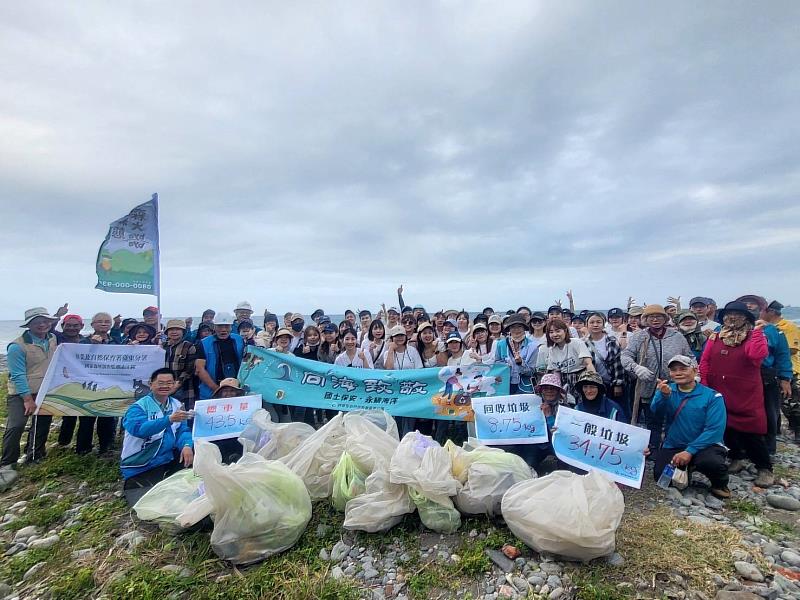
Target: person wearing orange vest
[28,358]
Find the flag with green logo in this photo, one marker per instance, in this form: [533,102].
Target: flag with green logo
[127,261]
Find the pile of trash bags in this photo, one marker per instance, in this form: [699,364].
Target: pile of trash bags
[261,504]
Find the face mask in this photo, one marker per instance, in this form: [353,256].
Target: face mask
[687,328]
[297,327]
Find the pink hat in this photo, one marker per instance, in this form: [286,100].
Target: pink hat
[551,379]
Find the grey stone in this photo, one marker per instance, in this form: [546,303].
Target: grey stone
[685,502]
[535,580]
[370,573]
[714,502]
[556,593]
[7,478]
[500,559]
[16,547]
[177,569]
[130,539]
[81,554]
[337,573]
[615,560]
[323,555]
[728,595]
[350,570]
[783,502]
[47,542]
[700,520]
[791,558]
[771,549]
[554,581]
[674,494]
[5,590]
[25,533]
[34,571]
[322,529]
[679,532]
[339,551]
[550,568]
[520,584]
[748,571]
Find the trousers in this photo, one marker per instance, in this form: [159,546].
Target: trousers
[709,461]
[15,426]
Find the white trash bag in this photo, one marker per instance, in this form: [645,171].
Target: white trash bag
[371,438]
[315,458]
[169,498]
[273,440]
[381,507]
[424,466]
[486,474]
[260,507]
[575,516]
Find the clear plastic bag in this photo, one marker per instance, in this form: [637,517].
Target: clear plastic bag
[348,482]
[486,474]
[167,499]
[273,440]
[260,506]
[424,466]
[382,506]
[575,516]
[371,438]
[316,457]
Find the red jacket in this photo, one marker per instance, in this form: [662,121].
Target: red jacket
[735,372]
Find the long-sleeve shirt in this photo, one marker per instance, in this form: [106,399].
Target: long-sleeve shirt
[779,357]
[701,422]
[18,363]
[138,425]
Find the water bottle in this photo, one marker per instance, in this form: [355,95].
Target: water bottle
[666,476]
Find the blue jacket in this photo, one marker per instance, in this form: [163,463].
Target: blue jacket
[779,357]
[700,424]
[210,352]
[137,423]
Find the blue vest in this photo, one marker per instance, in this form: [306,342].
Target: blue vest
[210,351]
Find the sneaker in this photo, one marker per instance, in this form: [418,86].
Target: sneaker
[765,478]
[723,493]
[736,466]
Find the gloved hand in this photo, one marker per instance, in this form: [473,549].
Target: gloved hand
[642,373]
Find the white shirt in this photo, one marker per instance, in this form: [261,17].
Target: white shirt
[344,361]
[408,359]
[568,359]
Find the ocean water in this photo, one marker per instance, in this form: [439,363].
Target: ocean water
[10,330]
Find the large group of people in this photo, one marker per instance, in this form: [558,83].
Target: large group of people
[709,383]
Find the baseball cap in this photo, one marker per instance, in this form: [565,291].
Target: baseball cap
[296,316]
[397,330]
[538,315]
[698,300]
[616,312]
[479,325]
[150,310]
[684,360]
[454,337]
[80,320]
[496,319]
[223,319]
[554,308]
[329,328]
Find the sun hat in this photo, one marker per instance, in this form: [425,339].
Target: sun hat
[454,337]
[514,320]
[422,326]
[72,318]
[774,306]
[283,331]
[752,298]
[32,313]
[244,305]
[223,319]
[229,382]
[175,324]
[738,307]
[151,332]
[397,330]
[590,378]
[635,311]
[495,319]
[684,360]
[551,379]
[654,309]
[418,307]
[324,319]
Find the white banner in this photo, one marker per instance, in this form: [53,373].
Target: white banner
[222,418]
[97,380]
[505,420]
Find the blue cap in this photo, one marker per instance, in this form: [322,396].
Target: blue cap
[329,328]
[418,307]
[454,337]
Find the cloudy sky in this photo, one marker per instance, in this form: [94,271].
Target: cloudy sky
[320,154]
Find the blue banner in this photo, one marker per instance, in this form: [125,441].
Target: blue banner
[444,393]
[504,420]
[590,442]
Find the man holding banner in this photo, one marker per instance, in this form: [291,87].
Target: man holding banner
[29,357]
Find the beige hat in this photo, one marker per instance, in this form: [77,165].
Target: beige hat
[283,331]
[39,311]
[396,330]
[495,319]
[175,324]
[635,311]
[296,316]
[654,309]
[423,325]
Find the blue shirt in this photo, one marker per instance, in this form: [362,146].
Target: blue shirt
[779,357]
[18,363]
[138,425]
[700,424]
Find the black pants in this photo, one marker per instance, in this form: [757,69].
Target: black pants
[748,445]
[135,487]
[709,461]
[791,406]
[15,425]
[654,423]
[106,428]
[772,406]
[67,430]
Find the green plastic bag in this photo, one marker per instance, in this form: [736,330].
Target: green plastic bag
[348,482]
[440,516]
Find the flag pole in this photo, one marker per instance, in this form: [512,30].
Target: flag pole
[157,264]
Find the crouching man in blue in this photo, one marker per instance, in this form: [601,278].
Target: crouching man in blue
[695,417]
[158,441]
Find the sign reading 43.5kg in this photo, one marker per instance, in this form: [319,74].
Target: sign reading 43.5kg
[223,418]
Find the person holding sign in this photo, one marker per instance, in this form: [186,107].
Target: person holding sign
[695,424]
[158,441]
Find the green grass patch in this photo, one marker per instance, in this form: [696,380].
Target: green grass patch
[75,584]
[96,524]
[14,568]
[592,585]
[745,507]
[776,529]
[65,463]
[790,473]
[43,512]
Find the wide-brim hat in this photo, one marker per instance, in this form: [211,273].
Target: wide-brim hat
[514,320]
[229,382]
[737,306]
[654,309]
[39,311]
[552,380]
[283,331]
[151,331]
[590,378]
[175,324]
